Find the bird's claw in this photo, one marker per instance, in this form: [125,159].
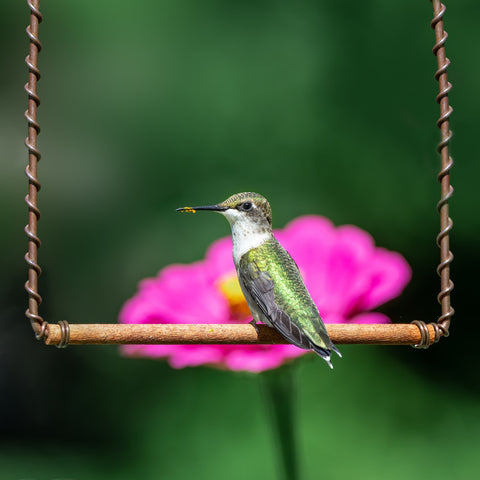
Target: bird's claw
[253,323]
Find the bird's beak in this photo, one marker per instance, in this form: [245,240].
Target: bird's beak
[215,208]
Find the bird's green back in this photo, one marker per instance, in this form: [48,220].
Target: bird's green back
[290,292]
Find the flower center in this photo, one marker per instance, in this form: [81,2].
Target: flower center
[232,291]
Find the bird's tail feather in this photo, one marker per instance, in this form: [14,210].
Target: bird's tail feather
[325,353]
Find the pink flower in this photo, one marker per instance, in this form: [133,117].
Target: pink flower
[346,275]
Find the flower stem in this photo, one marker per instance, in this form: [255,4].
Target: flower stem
[279,389]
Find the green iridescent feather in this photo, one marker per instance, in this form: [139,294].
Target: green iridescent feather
[270,269]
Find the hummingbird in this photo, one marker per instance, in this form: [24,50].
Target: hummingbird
[269,277]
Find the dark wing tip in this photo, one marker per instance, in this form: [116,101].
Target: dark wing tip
[336,350]
[325,353]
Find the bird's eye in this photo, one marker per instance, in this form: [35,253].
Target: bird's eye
[247,206]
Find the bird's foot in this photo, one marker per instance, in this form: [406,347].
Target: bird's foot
[254,325]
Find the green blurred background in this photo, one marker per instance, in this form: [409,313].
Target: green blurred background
[324,107]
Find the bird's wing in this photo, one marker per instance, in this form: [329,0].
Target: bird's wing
[260,286]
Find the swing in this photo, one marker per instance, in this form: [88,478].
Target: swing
[417,333]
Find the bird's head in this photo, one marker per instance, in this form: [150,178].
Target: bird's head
[246,208]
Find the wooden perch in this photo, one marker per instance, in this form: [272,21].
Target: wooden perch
[157,334]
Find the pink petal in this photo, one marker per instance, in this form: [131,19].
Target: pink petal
[342,269]
[218,259]
[370,317]
[258,358]
[389,273]
[195,355]
[180,294]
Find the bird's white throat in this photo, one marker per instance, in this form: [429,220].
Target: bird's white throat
[246,234]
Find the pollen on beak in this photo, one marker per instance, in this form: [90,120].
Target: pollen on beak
[186,209]
[215,208]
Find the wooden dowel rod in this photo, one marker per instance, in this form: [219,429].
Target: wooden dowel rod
[150,334]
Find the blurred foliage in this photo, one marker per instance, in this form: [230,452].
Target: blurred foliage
[323,107]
